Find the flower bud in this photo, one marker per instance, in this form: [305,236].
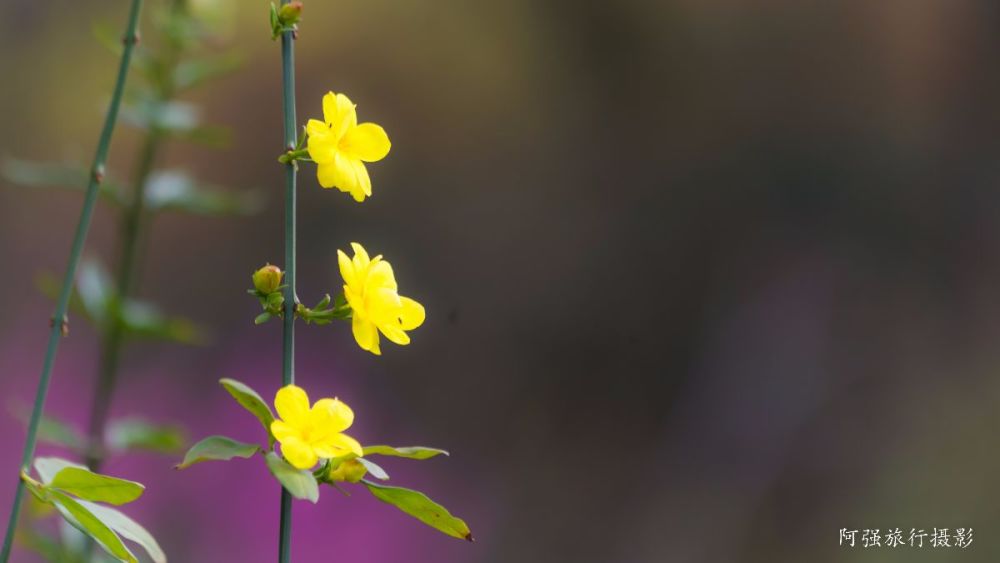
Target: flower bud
[267,279]
[290,13]
[351,471]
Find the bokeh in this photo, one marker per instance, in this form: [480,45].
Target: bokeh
[706,281]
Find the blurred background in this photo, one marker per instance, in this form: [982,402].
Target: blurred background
[706,281]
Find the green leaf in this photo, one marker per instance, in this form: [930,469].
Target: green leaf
[252,402]
[166,116]
[217,448]
[36,489]
[410,452]
[96,487]
[96,290]
[374,468]
[48,467]
[72,177]
[85,521]
[194,72]
[212,136]
[49,285]
[137,434]
[128,529]
[417,504]
[301,483]
[53,431]
[177,191]
[142,319]
[47,546]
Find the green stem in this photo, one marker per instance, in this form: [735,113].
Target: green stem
[288,333]
[59,322]
[130,234]
[113,338]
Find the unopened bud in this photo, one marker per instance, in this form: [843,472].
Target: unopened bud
[351,471]
[290,13]
[267,279]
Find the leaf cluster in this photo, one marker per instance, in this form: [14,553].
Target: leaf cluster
[80,496]
[305,484]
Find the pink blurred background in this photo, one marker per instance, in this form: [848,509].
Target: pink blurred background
[705,281]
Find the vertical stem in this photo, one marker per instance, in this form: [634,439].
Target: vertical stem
[288,333]
[129,236]
[113,338]
[59,322]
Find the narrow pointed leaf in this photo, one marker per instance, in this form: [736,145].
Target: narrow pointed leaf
[48,467]
[252,402]
[374,469]
[144,320]
[46,546]
[301,483]
[53,431]
[136,434]
[178,191]
[410,452]
[50,285]
[71,177]
[96,487]
[217,448]
[85,521]
[96,290]
[39,492]
[422,508]
[128,529]
[194,72]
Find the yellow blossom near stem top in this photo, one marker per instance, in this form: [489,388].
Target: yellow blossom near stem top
[340,147]
[376,306]
[310,434]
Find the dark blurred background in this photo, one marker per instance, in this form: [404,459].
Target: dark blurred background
[706,281]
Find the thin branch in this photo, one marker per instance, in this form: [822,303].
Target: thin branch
[60,324]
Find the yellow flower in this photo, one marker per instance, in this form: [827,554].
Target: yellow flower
[370,289]
[340,147]
[309,434]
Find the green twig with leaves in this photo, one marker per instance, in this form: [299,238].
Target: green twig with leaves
[305,444]
[60,324]
[177,59]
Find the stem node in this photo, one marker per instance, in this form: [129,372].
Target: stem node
[63,325]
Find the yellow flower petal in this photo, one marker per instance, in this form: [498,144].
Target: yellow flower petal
[365,334]
[357,304]
[317,128]
[339,113]
[338,445]
[346,269]
[292,404]
[322,145]
[367,142]
[283,431]
[331,415]
[299,453]
[411,315]
[338,173]
[357,177]
[361,259]
[346,175]
[393,332]
[380,275]
[383,305]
